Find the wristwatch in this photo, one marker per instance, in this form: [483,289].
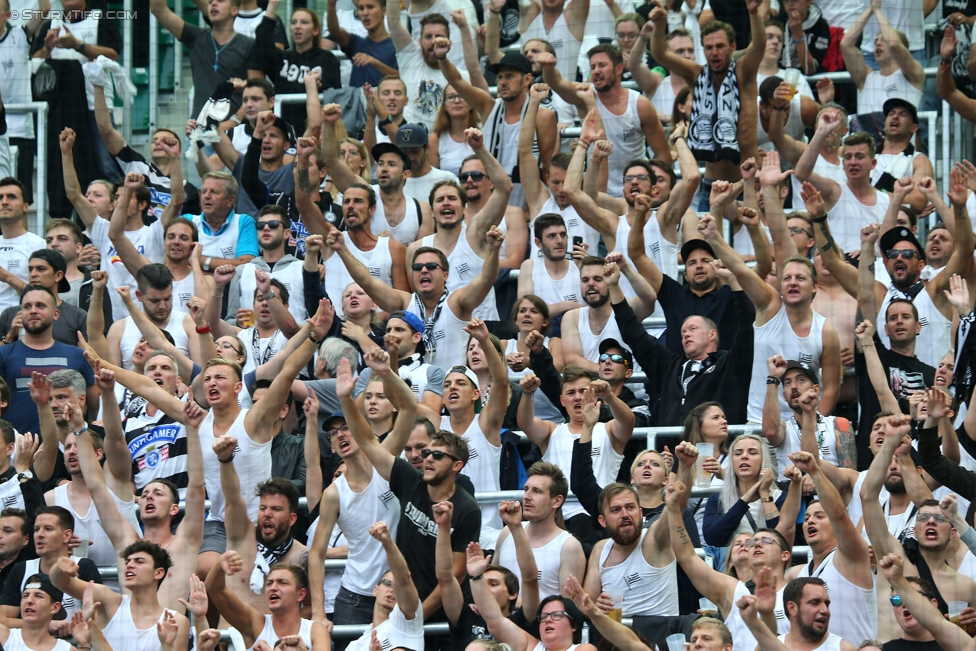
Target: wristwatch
[270,295]
[206,264]
[25,476]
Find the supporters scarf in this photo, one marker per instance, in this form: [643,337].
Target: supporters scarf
[429,342]
[900,167]
[265,558]
[715,118]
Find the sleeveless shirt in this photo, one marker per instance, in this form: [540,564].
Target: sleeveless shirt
[269,635]
[879,88]
[625,132]
[466,265]
[89,526]
[855,612]
[849,216]
[547,560]
[606,460]
[15,642]
[575,227]
[742,637]
[553,290]
[406,231]
[378,261]
[448,331]
[131,336]
[648,590]
[483,466]
[935,339]
[252,461]
[566,45]
[366,562]
[121,631]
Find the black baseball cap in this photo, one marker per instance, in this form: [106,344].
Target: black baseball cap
[808,369]
[41,581]
[56,260]
[514,60]
[896,102]
[411,135]
[286,129]
[389,148]
[607,344]
[694,245]
[900,234]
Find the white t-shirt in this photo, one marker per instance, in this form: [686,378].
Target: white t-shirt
[14,254]
[419,188]
[425,86]
[396,632]
[148,241]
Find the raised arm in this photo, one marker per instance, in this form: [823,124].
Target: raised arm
[945,80]
[342,177]
[896,433]
[537,430]
[750,60]
[118,459]
[960,262]
[560,85]
[404,589]
[637,249]
[497,204]
[72,187]
[830,254]
[600,219]
[687,70]
[113,139]
[853,58]
[336,32]
[451,595]
[96,315]
[40,393]
[398,31]
[501,628]
[464,300]
[685,190]
[830,189]
[389,299]
[867,341]
[621,637]
[480,99]
[117,528]
[378,455]
[239,524]
[645,78]
[319,547]
[762,295]
[248,621]
[912,69]
[536,193]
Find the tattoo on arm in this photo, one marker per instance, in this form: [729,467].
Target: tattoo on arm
[683,536]
[829,244]
[846,449]
[303,560]
[303,181]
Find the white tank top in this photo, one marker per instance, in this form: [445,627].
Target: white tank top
[131,336]
[544,409]
[288,274]
[252,461]
[897,165]
[16,82]
[366,562]
[89,526]
[879,88]
[542,647]
[451,341]
[849,216]
[825,169]
[68,603]
[240,138]
[378,261]
[121,631]
[831,643]
[465,266]
[406,231]
[854,509]
[935,339]
[562,40]
[15,642]
[968,566]
[182,292]
[855,612]
[452,153]
[794,125]
[590,341]
[826,442]
[606,460]
[547,560]
[776,337]
[663,99]
[223,245]
[268,632]
[553,290]
[508,136]
[575,227]
[625,132]
[648,590]
[742,637]
[483,466]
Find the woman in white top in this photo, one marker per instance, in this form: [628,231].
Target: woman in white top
[446,145]
[530,313]
[379,411]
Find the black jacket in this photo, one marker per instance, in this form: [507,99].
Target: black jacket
[725,378]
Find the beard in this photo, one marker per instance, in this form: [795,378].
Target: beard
[809,631]
[273,244]
[39,329]
[598,302]
[895,486]
[626,539]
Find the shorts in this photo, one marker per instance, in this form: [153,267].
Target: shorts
[214,537]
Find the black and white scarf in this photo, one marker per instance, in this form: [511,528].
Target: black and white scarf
[900,167]
[493,134]
[264,559]
[430,343]
[715,119]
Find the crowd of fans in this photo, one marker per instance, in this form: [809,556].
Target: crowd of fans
[344,326]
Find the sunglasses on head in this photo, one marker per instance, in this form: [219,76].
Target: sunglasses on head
[274,225]
[616,358]
[477,177]
[437,454]
[907,254]
[429,266]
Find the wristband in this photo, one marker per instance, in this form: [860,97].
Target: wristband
[819,220]
[311,337]
[781,108]
[946,62]
[799,40]
[230,460]
[773,380]
[388,121]
[204,330]
[477,577]
[235,118]
[529,394]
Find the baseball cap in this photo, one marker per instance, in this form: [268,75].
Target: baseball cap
[42,581]
[695,245]
[607,344]
[411,135]
[808,369]
[896,102]
[514,60]
[410,319]
[389,148]
[900,234]
[467,372]
[336,415]
[56,260]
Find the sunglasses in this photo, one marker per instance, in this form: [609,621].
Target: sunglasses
[335,430]
[274,225]
[437,454]
[636,177]
[907,254]
[429,266]
[477,177]
[897,601]
[613,357]
[554,615]
[387,582]
[796,230]
[925,517]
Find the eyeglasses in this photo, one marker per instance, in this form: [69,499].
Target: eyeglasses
[554,615]
[764,540]
[796,230]
[897,601]
[387,582]
[630,178]
[925,517]
[477,177]
[453,97]
[329,433]
[274,225]
[613,357]
[437,454]
[429,266]
[907,254]
[627,37]
[227,346]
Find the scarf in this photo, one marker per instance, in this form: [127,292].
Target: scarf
[493,134]
[715,120]
[264,559]
[430,342]
[900,167]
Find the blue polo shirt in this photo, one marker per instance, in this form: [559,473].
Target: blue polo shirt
[246,242]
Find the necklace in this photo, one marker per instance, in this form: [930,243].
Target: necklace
[218,50]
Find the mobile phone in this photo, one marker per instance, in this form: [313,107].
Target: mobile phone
[577,241]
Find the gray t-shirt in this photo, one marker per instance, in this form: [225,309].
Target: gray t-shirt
[70,320]
[280,182]
[325,391]
[73,297]
[212,63]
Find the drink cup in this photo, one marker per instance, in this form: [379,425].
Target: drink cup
[676,642]
[247,319]
[617,614]
[706,607]
[792,77]
[955,610]
[702,477]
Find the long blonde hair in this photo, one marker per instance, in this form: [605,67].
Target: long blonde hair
[730,487]
[442,122]
[364,173]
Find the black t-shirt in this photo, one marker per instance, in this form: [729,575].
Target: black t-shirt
[108,36]
[417,531]
[87,571]
[910,645]
[679,303]
[158,183]
[471,626]
[964,36]
[816,32]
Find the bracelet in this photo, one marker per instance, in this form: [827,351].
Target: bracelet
[871,345]
[781,108]
[529,394]
[477,577]
[800,40]
[773,380]
[584,143]
[216,295]
[230,460]
[235,118]
[311,337]
[819,220]
[204,330]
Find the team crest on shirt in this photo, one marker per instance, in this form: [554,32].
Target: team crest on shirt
[10,502]
[227,252]
[159,436]
[463,268]
[632,579]
[387,497]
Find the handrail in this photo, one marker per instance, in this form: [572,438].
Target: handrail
[40,184]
